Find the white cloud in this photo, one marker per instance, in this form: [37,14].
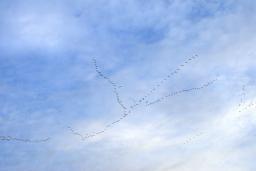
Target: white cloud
[200,130]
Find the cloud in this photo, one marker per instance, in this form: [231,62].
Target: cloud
[48,82]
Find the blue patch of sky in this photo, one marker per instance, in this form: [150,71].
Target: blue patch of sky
[205,9]
[38,83]
[251,73]
[140,35]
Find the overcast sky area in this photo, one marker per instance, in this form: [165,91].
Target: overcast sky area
[127,85]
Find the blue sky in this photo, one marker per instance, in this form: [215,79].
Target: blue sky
[49,87]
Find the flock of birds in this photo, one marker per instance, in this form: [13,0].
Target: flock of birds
[127,109]
[113,84]
[10,138]
[243,106]
[192,138]
[144,99]
[175,93]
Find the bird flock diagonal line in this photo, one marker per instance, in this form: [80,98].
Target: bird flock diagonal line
[175,93]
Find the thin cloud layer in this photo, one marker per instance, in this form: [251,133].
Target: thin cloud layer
[69,69]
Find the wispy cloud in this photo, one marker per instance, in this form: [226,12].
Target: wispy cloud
[50,87]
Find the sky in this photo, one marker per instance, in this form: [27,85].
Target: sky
[129,85]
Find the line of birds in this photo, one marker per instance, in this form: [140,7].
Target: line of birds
[129,110]
[113,84]
[10,138]
[175,93]
[242,97]
[192,138]
[165,79]
[76,133]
